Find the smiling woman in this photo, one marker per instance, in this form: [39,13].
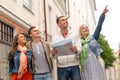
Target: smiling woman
[88,58]
[20,59]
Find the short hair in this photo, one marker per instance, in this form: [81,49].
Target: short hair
[57,20]
[29,31]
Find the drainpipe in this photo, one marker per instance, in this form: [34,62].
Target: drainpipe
[45,20]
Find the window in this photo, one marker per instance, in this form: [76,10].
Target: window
[6,33]
[28,4]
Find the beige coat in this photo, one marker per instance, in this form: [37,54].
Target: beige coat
[47,54]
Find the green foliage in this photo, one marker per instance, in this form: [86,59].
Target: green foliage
[1,79]
[107,53]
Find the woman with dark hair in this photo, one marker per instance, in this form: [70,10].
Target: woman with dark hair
[20,64]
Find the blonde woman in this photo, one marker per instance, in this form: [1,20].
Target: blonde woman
[91,68]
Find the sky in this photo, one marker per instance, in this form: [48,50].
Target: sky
[111,25]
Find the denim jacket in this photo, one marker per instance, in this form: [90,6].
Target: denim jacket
[93,44]
[15,62]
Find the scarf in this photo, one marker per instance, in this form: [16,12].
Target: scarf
[23,61]
[84,54]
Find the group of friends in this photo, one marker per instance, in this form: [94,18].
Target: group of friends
[32,60]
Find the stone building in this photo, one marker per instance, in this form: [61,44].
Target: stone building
[17,16]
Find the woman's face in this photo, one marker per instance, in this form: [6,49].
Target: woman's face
[84,30]
[21,39]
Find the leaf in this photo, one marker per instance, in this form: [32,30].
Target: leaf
[107,54]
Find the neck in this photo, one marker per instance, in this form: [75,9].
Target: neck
[64,31]
[85,36]
[21,44]
[36,40]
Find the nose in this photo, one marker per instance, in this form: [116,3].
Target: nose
[66,21]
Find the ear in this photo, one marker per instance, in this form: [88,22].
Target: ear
[58,24]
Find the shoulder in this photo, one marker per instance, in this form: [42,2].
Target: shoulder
[56,35]
[16,52]
[29,51]
[45,43]
[74,34]
[92,38]
[28,44]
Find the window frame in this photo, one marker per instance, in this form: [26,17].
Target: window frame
[6,33]
[28,5]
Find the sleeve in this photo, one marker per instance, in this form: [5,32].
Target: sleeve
[77,43]
[11,65]
[49,48]
[99,27]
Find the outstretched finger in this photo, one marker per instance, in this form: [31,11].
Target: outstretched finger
[106,7]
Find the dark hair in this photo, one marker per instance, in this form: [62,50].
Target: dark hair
[29,31]
[14,46]
[57,20]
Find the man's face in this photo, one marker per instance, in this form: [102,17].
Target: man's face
[35,33]
[63,23]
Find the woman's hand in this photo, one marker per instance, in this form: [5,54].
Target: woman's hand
[105,10]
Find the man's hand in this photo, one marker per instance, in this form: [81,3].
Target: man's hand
[73,48]
[53,51]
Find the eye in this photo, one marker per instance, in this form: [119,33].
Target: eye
[83,28]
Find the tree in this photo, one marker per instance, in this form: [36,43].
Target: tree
[1,79]
[107,54]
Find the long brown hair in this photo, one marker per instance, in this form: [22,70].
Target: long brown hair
[14,46]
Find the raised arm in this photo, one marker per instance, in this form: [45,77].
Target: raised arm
[100,22]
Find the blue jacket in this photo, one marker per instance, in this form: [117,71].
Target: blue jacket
[15,62]
[93,44]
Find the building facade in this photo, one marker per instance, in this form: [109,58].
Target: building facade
[116,67]
[17,16]
[82,11]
